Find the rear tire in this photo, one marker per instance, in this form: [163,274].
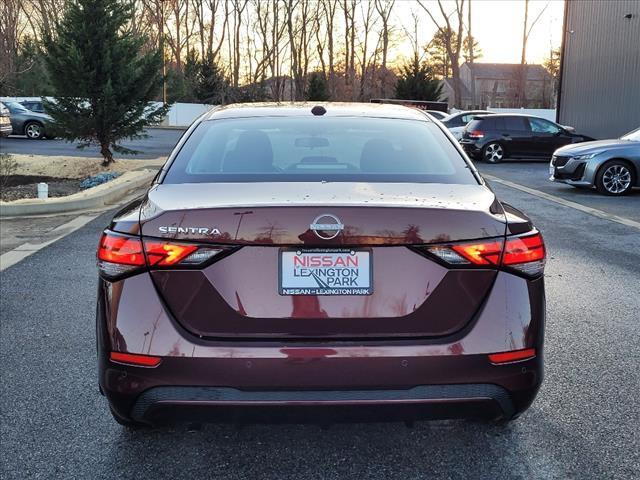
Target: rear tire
[34,131]
[493,153]
[615,178]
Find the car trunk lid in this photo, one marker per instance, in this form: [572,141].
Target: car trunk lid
[241,295]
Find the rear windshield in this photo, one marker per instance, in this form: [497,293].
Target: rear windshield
[281,149]
[475,124]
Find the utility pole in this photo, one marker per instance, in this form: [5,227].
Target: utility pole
[470,40]
[164,60]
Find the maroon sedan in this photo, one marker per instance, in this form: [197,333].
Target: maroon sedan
[343,262]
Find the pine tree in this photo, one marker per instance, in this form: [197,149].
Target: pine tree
[317,89]
[416,81]
[103,82]
[212,85]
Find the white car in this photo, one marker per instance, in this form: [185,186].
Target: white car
[457,121]
[5,121]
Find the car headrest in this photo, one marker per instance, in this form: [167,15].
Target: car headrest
[376,156]
[253,153]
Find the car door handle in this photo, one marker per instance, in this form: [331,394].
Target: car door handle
[506,135]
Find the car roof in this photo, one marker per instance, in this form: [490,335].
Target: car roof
[467,112]
[303,109]
[523,115]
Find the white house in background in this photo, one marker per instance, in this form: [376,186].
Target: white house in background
[486,85]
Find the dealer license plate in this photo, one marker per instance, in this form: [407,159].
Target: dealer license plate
[325,272]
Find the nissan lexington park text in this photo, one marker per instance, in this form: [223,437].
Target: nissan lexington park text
[335,261]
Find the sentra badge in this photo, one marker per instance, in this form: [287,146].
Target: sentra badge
[193,230]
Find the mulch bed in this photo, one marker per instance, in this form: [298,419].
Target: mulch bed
[15,187]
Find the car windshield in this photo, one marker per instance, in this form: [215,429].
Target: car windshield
[633,135]
[15,107]
[281,149]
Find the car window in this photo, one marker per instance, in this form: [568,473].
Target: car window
[15,107]
[516,124]
[474,125]
[540,125]
[498,123]
[33,106]
[488,124]
[285,149]
[454,121]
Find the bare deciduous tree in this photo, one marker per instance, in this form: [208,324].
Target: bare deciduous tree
[526,31]
[452,34]
[384,8]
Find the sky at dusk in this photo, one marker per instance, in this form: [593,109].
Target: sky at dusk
[497,26]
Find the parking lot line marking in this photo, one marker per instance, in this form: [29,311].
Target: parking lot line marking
[567,203]
[21,252]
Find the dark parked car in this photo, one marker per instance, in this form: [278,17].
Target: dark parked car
[456,122]
[496,137]
[25,122]
[612,166]
[33,105]
[300,262]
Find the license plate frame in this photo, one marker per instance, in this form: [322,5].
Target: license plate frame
[319,284]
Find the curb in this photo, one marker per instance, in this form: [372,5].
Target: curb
[95,197]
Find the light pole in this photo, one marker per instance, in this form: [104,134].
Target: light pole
[164,61]
[242,214]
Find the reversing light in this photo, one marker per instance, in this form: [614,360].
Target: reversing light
[448,255]
[513,356]
[135,359]
[200,256]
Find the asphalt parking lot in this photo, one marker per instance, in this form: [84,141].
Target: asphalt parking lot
[55,424]
[159,143]
[534,174]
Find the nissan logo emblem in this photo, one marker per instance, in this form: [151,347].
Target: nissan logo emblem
[327,226]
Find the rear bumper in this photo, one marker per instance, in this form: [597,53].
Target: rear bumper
[228,404]
[471,147]
[251,380]
[315,388]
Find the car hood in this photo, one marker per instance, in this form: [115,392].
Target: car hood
[595,146]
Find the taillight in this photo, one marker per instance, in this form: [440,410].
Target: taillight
[120,254]
[135,359]
[164,254]
[475,134]
[487,253]
[512,356]
[525,254]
